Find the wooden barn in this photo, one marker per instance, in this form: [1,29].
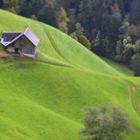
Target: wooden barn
[20,43]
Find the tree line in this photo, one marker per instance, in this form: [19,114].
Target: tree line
[109,28]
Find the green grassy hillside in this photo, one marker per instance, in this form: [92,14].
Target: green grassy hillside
[119,67]
[55,46]
[44,99]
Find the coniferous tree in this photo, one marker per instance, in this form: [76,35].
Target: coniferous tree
[136,64]
[11,5]
[30,7]
[48,15]
[1,4]
[72,17]
[135,12]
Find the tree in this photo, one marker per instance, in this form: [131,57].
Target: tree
[92,12]
[134,32]
[127,5]
[84,40]
[123,29]
[28,8]
[98,47]
[11,5]
[136,64]
[71,4]
[43,10]
[62,20]
[79,35]
[119,51]
[110,32]
[107,20]
[72,17]
[1,3]
[48,14]
[129,50]
[79,29]
[34,17]
[105,123]
[137,46]
[135,12]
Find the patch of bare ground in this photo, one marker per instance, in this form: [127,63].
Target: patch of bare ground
[4,54]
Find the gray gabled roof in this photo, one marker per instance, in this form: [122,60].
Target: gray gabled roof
[10,37]
[31,36]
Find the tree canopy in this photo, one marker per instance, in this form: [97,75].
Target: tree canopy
[105,123]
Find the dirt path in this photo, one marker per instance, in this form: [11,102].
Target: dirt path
[132,97]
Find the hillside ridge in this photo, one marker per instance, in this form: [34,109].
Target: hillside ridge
[45,98]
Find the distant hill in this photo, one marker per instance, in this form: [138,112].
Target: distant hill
[44,99]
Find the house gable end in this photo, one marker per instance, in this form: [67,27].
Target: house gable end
[31,36]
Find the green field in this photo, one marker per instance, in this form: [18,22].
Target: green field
[44,99]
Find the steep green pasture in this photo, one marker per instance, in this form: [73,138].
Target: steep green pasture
[44,99]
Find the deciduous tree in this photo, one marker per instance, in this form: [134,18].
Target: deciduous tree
[105,123]
[79,35]
[63,20]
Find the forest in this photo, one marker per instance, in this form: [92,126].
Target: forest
[109,28]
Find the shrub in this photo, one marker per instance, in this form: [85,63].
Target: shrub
[105,123]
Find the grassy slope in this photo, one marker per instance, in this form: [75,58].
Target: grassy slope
[44,99]
[119,67]
[56,46]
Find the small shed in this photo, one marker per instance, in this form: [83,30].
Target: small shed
[20,43]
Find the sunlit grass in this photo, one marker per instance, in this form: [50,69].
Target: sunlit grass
[45,99]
